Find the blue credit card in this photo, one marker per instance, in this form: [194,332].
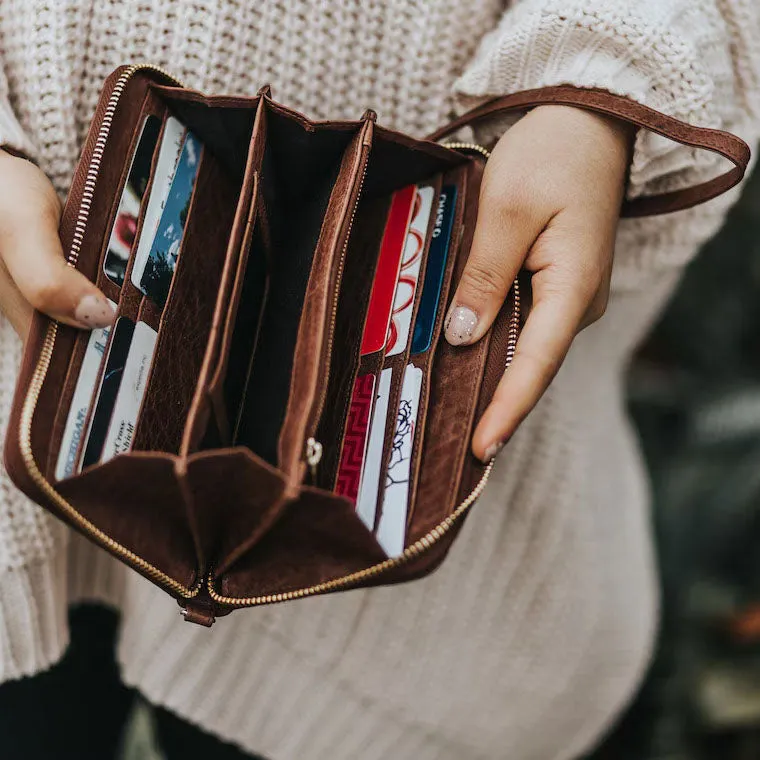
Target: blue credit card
[162,260]
[435,270]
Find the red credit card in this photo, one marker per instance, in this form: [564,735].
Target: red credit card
[355,439]
[388,267]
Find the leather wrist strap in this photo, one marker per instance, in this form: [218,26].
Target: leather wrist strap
[725,144]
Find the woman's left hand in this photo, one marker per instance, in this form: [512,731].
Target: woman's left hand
[549,204]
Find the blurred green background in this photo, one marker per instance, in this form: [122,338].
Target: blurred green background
[695,397]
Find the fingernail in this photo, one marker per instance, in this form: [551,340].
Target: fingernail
[460,325]
[94,311]
[493,450]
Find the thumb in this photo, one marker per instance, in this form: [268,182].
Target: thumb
[32,253]
[506,228]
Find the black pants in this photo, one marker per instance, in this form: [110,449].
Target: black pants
[79,708]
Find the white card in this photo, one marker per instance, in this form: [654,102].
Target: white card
[82,401]
[134,381]
[411,260]
[391,531]
[366,503]
[168,156]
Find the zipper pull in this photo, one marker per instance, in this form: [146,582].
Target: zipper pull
[313,455]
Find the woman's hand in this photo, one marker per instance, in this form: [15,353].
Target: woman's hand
[33,271]
[549,203]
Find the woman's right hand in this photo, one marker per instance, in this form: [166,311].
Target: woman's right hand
[33,271]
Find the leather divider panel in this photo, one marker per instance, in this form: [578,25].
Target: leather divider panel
[455,379]
[247,495]
[257,413]
[305,219]
[494,369]
[317,537]
[187,316]
[204,429]
[115,166]
[145,513]
[356,287]
[229,388]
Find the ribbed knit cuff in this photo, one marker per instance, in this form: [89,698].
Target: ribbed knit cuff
[667,56]
[33,616]
[12,136]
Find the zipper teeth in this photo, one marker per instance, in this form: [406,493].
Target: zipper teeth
[336,297]
[469,146]
[429,539]
[46,354]
[414,550]
[411,552]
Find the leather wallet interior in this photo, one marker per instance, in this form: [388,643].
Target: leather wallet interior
[257,352]
[231,488]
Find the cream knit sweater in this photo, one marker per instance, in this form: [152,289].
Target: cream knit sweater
[534,633]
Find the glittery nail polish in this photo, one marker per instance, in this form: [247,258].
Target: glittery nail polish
[460,325]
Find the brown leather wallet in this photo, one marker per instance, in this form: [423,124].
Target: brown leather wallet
[224,515]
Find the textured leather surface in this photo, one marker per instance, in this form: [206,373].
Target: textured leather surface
[188,313]
[183,503]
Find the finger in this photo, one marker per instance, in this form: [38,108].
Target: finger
[506,228]
[15,307]
[32,253]
[544,343]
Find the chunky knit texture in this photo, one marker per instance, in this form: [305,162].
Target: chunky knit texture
[536,630]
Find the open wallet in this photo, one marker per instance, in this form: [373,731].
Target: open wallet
[274,412]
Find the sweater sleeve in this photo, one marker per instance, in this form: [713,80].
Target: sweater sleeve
[697,60]
[12,135]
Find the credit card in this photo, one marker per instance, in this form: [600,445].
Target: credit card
[386,275]
[411,262]
[391,530]
[125,226]
[366,503]
[438,254]
[169,151]
[162,260]
[134,381]
[355,439]
[81,401]
[116,357]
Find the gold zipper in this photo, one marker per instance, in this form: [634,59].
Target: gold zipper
[431,537]
[313,453]
[43,363]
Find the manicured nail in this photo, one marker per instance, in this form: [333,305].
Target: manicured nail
[94,311]
[460,325]
[493,450]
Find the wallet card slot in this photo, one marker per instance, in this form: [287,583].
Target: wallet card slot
[127,144]
[417,242]
[187,316]
[130,305]
[129,228]
[356,286]
[425,360]
[452,396]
